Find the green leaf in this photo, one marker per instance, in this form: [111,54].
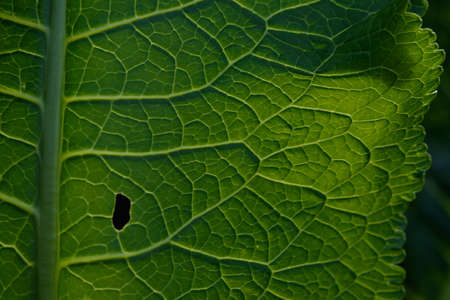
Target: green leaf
[268,148]
[419,6]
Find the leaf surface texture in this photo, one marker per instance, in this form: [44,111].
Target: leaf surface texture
[269,148]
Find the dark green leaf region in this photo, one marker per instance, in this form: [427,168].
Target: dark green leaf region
[205,149]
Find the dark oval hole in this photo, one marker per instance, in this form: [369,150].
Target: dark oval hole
[121,214]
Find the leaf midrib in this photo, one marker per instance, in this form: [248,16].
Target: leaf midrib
[50,149]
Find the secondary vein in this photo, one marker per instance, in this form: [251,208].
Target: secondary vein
[19,204]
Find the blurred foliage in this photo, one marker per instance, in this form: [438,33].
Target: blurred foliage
[437,121]
[428,233]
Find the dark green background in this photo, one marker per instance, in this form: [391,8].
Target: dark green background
[428,232]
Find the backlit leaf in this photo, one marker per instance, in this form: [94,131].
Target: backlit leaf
[257,149]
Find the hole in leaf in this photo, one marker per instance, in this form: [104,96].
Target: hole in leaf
[121,214]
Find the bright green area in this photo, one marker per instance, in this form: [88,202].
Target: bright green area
[269,148]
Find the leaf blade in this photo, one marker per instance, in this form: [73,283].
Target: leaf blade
[273,153]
